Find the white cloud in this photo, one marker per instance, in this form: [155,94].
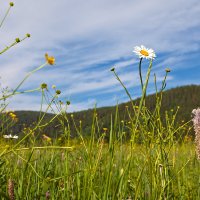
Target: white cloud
[89,37]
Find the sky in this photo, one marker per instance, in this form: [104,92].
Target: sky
[88,38]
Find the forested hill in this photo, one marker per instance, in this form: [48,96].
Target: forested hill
[186,97]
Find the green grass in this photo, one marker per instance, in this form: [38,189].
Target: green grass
[102,172]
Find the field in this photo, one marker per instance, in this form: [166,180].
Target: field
[155,160]
[149,156]
[97,170]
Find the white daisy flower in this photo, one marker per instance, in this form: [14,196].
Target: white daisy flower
[15,137]
[7,136]
[143,52]
[10,136]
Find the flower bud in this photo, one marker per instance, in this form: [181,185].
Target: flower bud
[17,40]
[43,86]
[112,70]
[58,92]
[167,70]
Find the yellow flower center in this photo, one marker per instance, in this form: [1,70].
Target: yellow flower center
[144,52]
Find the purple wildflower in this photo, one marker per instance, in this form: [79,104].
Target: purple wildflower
[196,123]
[47,195]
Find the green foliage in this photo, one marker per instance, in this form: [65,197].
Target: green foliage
[102,172]
[183,98]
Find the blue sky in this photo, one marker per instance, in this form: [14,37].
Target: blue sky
[89,37]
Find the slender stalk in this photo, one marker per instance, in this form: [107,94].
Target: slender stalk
[140,72]
[11,45]
[4,18]
[27,76]
[127,92]
[143,95]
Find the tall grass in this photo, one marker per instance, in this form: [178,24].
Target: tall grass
[146,158]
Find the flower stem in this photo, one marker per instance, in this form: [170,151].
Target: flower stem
[140,73]
[127,92]
[7,12]
[29,74]
[143,95]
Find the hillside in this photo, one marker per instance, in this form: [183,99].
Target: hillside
[186,97]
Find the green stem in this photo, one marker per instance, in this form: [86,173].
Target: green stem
[29,74]
[127,92]
[5,17]
[140,72]
[6,49]
[143,94]
[13,44]
[15,90]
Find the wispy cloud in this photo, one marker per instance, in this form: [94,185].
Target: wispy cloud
[89,37]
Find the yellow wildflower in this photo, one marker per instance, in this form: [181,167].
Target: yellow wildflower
[12,115]
[45,137]
[105,129]
[50,59]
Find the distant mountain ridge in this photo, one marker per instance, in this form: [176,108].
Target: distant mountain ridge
[186,97]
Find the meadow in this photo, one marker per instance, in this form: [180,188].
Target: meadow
[147,157]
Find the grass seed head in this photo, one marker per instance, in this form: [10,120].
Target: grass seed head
[11,189]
